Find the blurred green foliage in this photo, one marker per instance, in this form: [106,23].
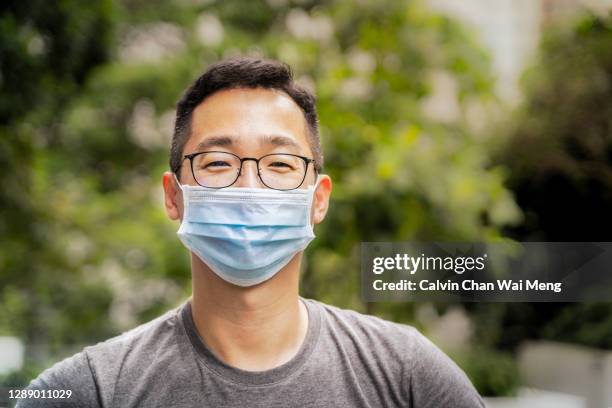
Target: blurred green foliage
[561,139]
[491,372]
[559,157]
[46,55]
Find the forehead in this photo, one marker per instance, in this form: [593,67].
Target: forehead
[249,117]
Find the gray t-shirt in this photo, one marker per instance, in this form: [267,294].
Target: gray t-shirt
[347,359]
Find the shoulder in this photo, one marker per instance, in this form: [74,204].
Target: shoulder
[427,375]
[91,373]
[124,358]
[385,335]
[71,376]
[150,335]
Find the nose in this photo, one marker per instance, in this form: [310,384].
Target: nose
[248,176]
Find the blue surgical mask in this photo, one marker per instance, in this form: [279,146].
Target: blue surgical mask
[246,235]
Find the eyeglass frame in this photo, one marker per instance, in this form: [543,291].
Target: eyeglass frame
[307,160]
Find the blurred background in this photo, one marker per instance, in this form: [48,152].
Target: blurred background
[441,120]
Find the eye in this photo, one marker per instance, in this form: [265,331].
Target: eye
[217,164]
[280,164]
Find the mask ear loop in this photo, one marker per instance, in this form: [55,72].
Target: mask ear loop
[184,194]
[311,199]
[177,181]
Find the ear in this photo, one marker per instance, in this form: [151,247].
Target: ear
[321,198]
[173,197]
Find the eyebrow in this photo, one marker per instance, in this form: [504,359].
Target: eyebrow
[280,140]
[226,140]
[209,142]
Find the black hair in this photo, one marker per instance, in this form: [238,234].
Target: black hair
[243,72]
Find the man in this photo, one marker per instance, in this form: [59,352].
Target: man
[247,188]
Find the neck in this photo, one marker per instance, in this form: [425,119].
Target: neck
[254,328]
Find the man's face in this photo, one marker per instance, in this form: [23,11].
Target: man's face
[248,123]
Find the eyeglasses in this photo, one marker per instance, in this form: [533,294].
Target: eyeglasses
[278,171]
